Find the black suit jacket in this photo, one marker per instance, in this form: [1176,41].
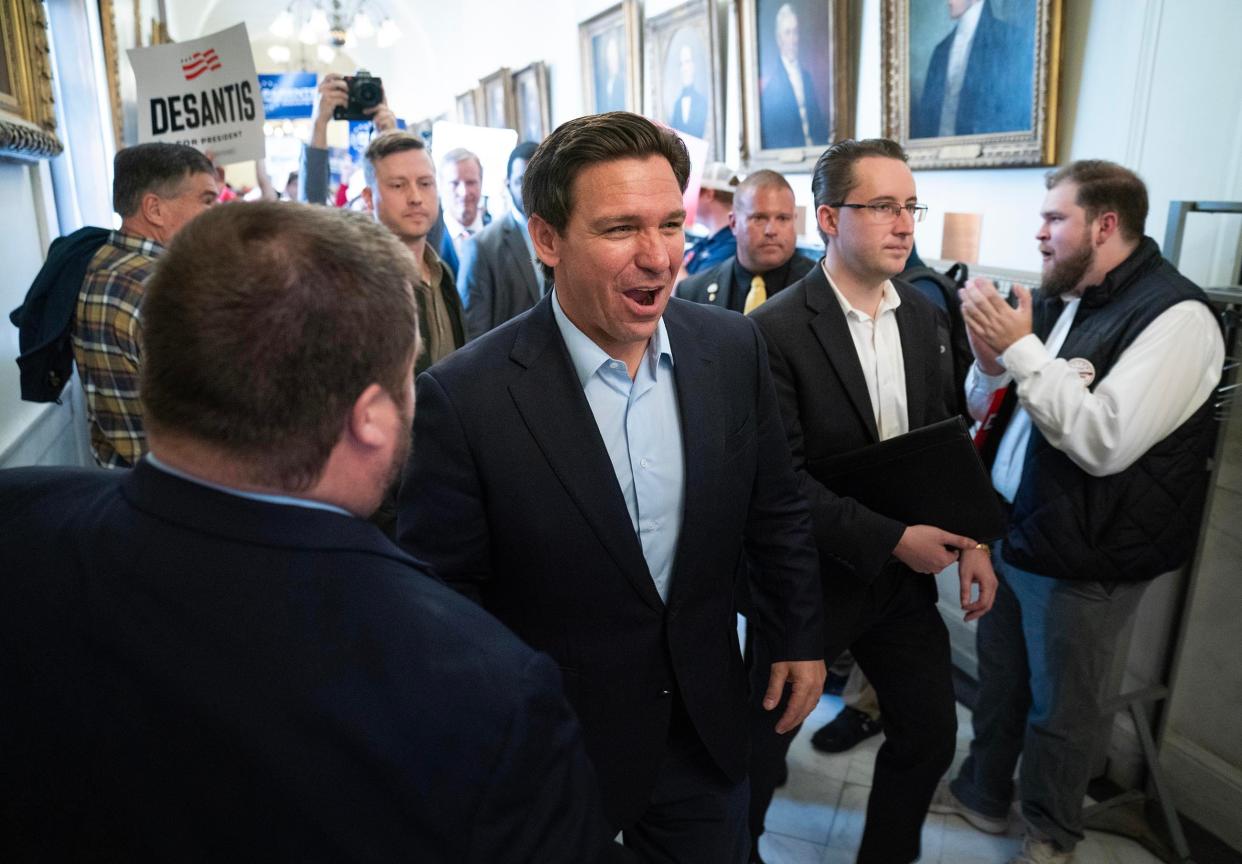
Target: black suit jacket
[996,85]
[827,412]
[191,675]
[780,122]
[511,494]
[497,277]
[728,294]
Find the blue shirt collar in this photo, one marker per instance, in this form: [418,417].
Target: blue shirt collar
[588,357]
[241,493]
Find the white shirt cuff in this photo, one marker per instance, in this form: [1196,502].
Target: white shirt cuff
[1026,356]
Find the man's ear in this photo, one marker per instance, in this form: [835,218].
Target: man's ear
[545,239]
[368,422]
[827,217]
[1106,225]
[733,221]
[366,199]
[152,208]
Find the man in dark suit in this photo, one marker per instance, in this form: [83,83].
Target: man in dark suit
[858,358]
[593,473]
[789,110]
[213,655]
[978,78]
[763,219]
[498,277]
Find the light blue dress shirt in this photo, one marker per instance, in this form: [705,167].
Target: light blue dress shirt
[241,493]
[641,428]
[520,218]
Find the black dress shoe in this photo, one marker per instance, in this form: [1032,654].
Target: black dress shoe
[845,731]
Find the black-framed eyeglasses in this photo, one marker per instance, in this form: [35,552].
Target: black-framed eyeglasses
[888,211]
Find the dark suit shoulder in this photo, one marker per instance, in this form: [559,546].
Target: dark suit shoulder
[695,287]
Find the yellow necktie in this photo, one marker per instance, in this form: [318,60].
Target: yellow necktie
[755,296]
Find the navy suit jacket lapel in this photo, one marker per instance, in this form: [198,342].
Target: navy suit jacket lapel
[550,399]
[700,406]
[914,347]
[830,328]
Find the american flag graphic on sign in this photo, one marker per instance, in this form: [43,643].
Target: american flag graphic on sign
[199,62]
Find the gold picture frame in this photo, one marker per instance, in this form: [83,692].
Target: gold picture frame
[678,43]
[127,24]
[469,107]
[498,110]
[778,131]
[530,99]
[27,109]
[611,59]
[1009,121]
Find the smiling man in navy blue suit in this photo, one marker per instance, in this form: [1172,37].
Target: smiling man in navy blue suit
[213,656]
[594,472]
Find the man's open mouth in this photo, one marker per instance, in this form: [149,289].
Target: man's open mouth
[643,296]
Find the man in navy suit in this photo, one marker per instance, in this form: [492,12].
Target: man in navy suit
[789,110]
[689,111]
[213,655]
[978,78]
[596,472]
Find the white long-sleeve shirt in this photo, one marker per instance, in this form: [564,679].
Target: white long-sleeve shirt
[1157,383]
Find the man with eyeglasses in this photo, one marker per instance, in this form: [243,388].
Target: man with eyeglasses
[858,358]
[763,218]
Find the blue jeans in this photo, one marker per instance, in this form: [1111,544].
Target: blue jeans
[1045,651]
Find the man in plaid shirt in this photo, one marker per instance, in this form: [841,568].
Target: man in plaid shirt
[157,188]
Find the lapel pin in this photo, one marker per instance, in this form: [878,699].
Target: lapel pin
[711,292]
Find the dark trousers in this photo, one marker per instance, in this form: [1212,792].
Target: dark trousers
[901,643]
[696,815]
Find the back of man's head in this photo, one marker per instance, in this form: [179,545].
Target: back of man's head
[158,168]
[264,323]
[1106,187]
[383,146]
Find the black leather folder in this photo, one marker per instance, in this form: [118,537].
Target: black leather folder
[931,476]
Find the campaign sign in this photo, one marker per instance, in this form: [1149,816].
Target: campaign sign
[201,92]
[360,134]
[287,97]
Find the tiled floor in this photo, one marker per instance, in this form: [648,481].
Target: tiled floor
[817,817]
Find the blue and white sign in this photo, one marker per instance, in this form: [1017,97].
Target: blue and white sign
[360,134]
[287,97]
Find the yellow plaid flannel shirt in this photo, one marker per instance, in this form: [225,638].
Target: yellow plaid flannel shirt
[107,346]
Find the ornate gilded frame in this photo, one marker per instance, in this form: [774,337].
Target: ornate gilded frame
[503,80]
[658,34]
[842,87]
[1033,146]
[27,109]
[538,71]
[115,47]
[625,13]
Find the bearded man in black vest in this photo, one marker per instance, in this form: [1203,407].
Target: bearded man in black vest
[1100,448]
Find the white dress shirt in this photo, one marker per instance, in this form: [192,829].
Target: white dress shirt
[955,74]
[1157,383]
[461,233]
[877,342]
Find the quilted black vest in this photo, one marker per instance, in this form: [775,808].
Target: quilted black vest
[1143,521]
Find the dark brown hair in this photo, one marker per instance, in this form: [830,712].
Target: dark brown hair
[1106,187]
[264,322]
[587,141]
[833,179]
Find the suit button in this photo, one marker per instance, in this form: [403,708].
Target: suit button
[665,692]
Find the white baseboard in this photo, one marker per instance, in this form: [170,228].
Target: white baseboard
[1204,787]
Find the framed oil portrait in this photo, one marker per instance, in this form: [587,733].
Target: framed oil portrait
[972,83]
[27,113]
[609,53]
[128,24]
[470,107]
[530,96]
[682,72]
[498,100]
[797,85]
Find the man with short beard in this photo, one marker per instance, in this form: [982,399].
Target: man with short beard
[1101,454]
